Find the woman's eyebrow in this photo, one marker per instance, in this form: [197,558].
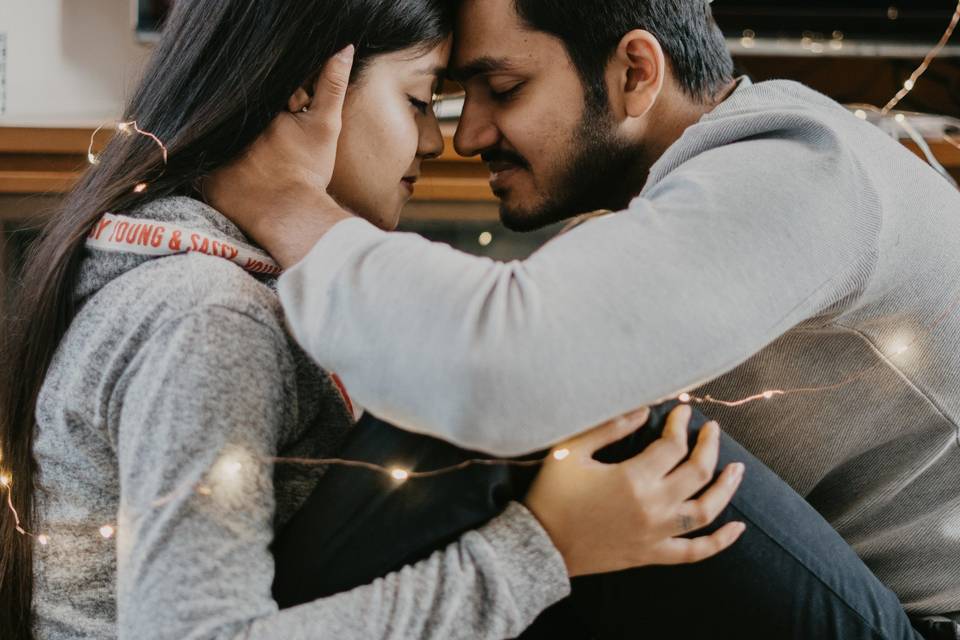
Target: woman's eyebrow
[436,71]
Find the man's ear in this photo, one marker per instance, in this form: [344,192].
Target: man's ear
[639,65]
[299,100]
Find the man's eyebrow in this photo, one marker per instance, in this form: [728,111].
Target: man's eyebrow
[477,67]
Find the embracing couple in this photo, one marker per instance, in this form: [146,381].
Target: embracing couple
[774,261]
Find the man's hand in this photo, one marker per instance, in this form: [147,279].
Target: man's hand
[277,192]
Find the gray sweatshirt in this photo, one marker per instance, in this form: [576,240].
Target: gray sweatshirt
[781,244]
[173,390]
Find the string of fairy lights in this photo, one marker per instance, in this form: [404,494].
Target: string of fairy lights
[230,468]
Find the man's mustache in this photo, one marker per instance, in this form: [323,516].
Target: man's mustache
[504,156]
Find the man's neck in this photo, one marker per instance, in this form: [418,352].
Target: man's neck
[679,114]
[673,116]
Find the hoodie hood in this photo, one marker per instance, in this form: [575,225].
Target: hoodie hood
[104,263]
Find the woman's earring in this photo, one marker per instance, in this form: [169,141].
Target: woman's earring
[305,109]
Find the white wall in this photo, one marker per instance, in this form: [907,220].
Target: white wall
[68,61]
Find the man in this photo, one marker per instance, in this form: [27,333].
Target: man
[788,259]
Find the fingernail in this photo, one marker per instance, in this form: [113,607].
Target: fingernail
[736,473]
[346,54]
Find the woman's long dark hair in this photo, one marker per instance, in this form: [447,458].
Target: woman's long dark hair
[222,71]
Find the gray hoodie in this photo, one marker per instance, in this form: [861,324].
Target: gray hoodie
[172,392]
[782,249]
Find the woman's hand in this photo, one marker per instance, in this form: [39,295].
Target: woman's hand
[277,192]
[604,518]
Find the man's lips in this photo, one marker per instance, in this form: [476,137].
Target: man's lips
[500,171]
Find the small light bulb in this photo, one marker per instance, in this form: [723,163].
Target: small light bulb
[485,239]
[5,480]
[43,540]
[93,159]
[561,454]
[124,127]
[908,85]
[684,398]
[768,395]
[900,117]
[107,531]
[400,475]
[860,113]
[140,188]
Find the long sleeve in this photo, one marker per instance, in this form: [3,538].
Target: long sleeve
[198,422]
[712,263]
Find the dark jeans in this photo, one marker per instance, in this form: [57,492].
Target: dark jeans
[789,576]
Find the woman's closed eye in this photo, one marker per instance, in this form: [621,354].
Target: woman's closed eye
[419,105]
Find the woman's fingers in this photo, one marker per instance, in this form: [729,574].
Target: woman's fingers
[694,474]
[592,441]
[684,551]
[694,515]
[661,457]
[330,90]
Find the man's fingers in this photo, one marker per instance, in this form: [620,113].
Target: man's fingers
[331,87]
[684,551]
[694,474]
[592,441]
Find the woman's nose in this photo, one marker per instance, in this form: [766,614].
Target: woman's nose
[431,140]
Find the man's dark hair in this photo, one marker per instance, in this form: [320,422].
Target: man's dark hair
[592,29]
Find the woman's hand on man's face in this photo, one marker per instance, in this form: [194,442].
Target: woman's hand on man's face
[604,518]
[277,191]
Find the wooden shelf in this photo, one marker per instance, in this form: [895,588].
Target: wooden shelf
[50,161]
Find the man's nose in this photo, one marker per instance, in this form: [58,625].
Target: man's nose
[476,130]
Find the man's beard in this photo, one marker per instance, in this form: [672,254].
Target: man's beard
[606,172]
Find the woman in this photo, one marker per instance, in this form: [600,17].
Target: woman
[147,399]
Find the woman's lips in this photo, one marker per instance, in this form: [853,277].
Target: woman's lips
[409,183]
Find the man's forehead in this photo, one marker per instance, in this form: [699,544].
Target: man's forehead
[490,38]
[486,30]
[478,17]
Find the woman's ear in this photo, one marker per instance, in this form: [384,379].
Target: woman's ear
[299,100]
[641,70]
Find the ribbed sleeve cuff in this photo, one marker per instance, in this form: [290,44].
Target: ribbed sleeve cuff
[305,288]
[335,247]
[534,569]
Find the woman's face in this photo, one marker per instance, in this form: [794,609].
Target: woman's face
[389,128]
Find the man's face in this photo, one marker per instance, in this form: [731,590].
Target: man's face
[552,154]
